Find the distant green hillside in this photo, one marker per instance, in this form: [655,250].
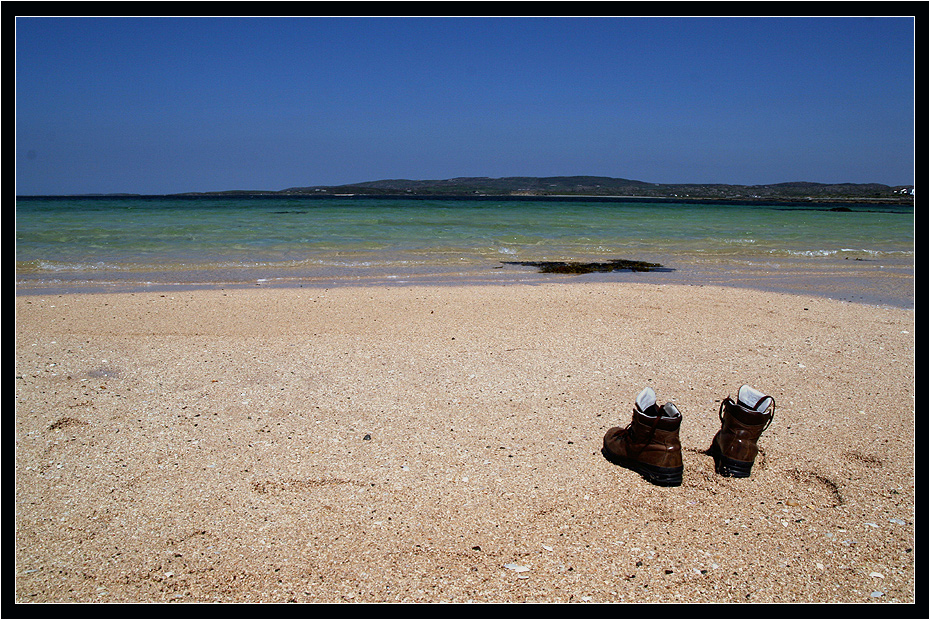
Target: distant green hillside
[608,186]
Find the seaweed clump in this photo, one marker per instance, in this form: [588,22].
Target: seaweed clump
[572,267]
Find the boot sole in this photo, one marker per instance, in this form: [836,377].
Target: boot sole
[660,476]
[727,467]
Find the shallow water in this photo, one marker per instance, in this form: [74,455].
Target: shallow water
[864,254]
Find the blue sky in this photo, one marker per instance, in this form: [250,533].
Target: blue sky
[162,105]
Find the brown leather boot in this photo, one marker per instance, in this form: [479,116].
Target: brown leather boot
[735,445]
[649,444]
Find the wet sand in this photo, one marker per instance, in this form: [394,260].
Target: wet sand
[442,444]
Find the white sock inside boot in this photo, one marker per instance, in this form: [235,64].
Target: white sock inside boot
[645,400]
[646,404]
[669,410]
[752,398]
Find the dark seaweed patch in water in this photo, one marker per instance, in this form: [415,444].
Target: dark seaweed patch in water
[618,264]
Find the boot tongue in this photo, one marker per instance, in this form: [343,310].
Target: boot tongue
[751,398]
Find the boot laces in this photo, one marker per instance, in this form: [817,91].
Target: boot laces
[628,432]
[770,417]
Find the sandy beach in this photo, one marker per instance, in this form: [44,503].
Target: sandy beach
[442,444]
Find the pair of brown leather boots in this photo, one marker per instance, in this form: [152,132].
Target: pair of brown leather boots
[649,444]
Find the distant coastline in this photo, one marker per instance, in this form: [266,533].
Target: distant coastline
[575,188]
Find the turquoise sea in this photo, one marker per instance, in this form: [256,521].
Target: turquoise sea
[862,253]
